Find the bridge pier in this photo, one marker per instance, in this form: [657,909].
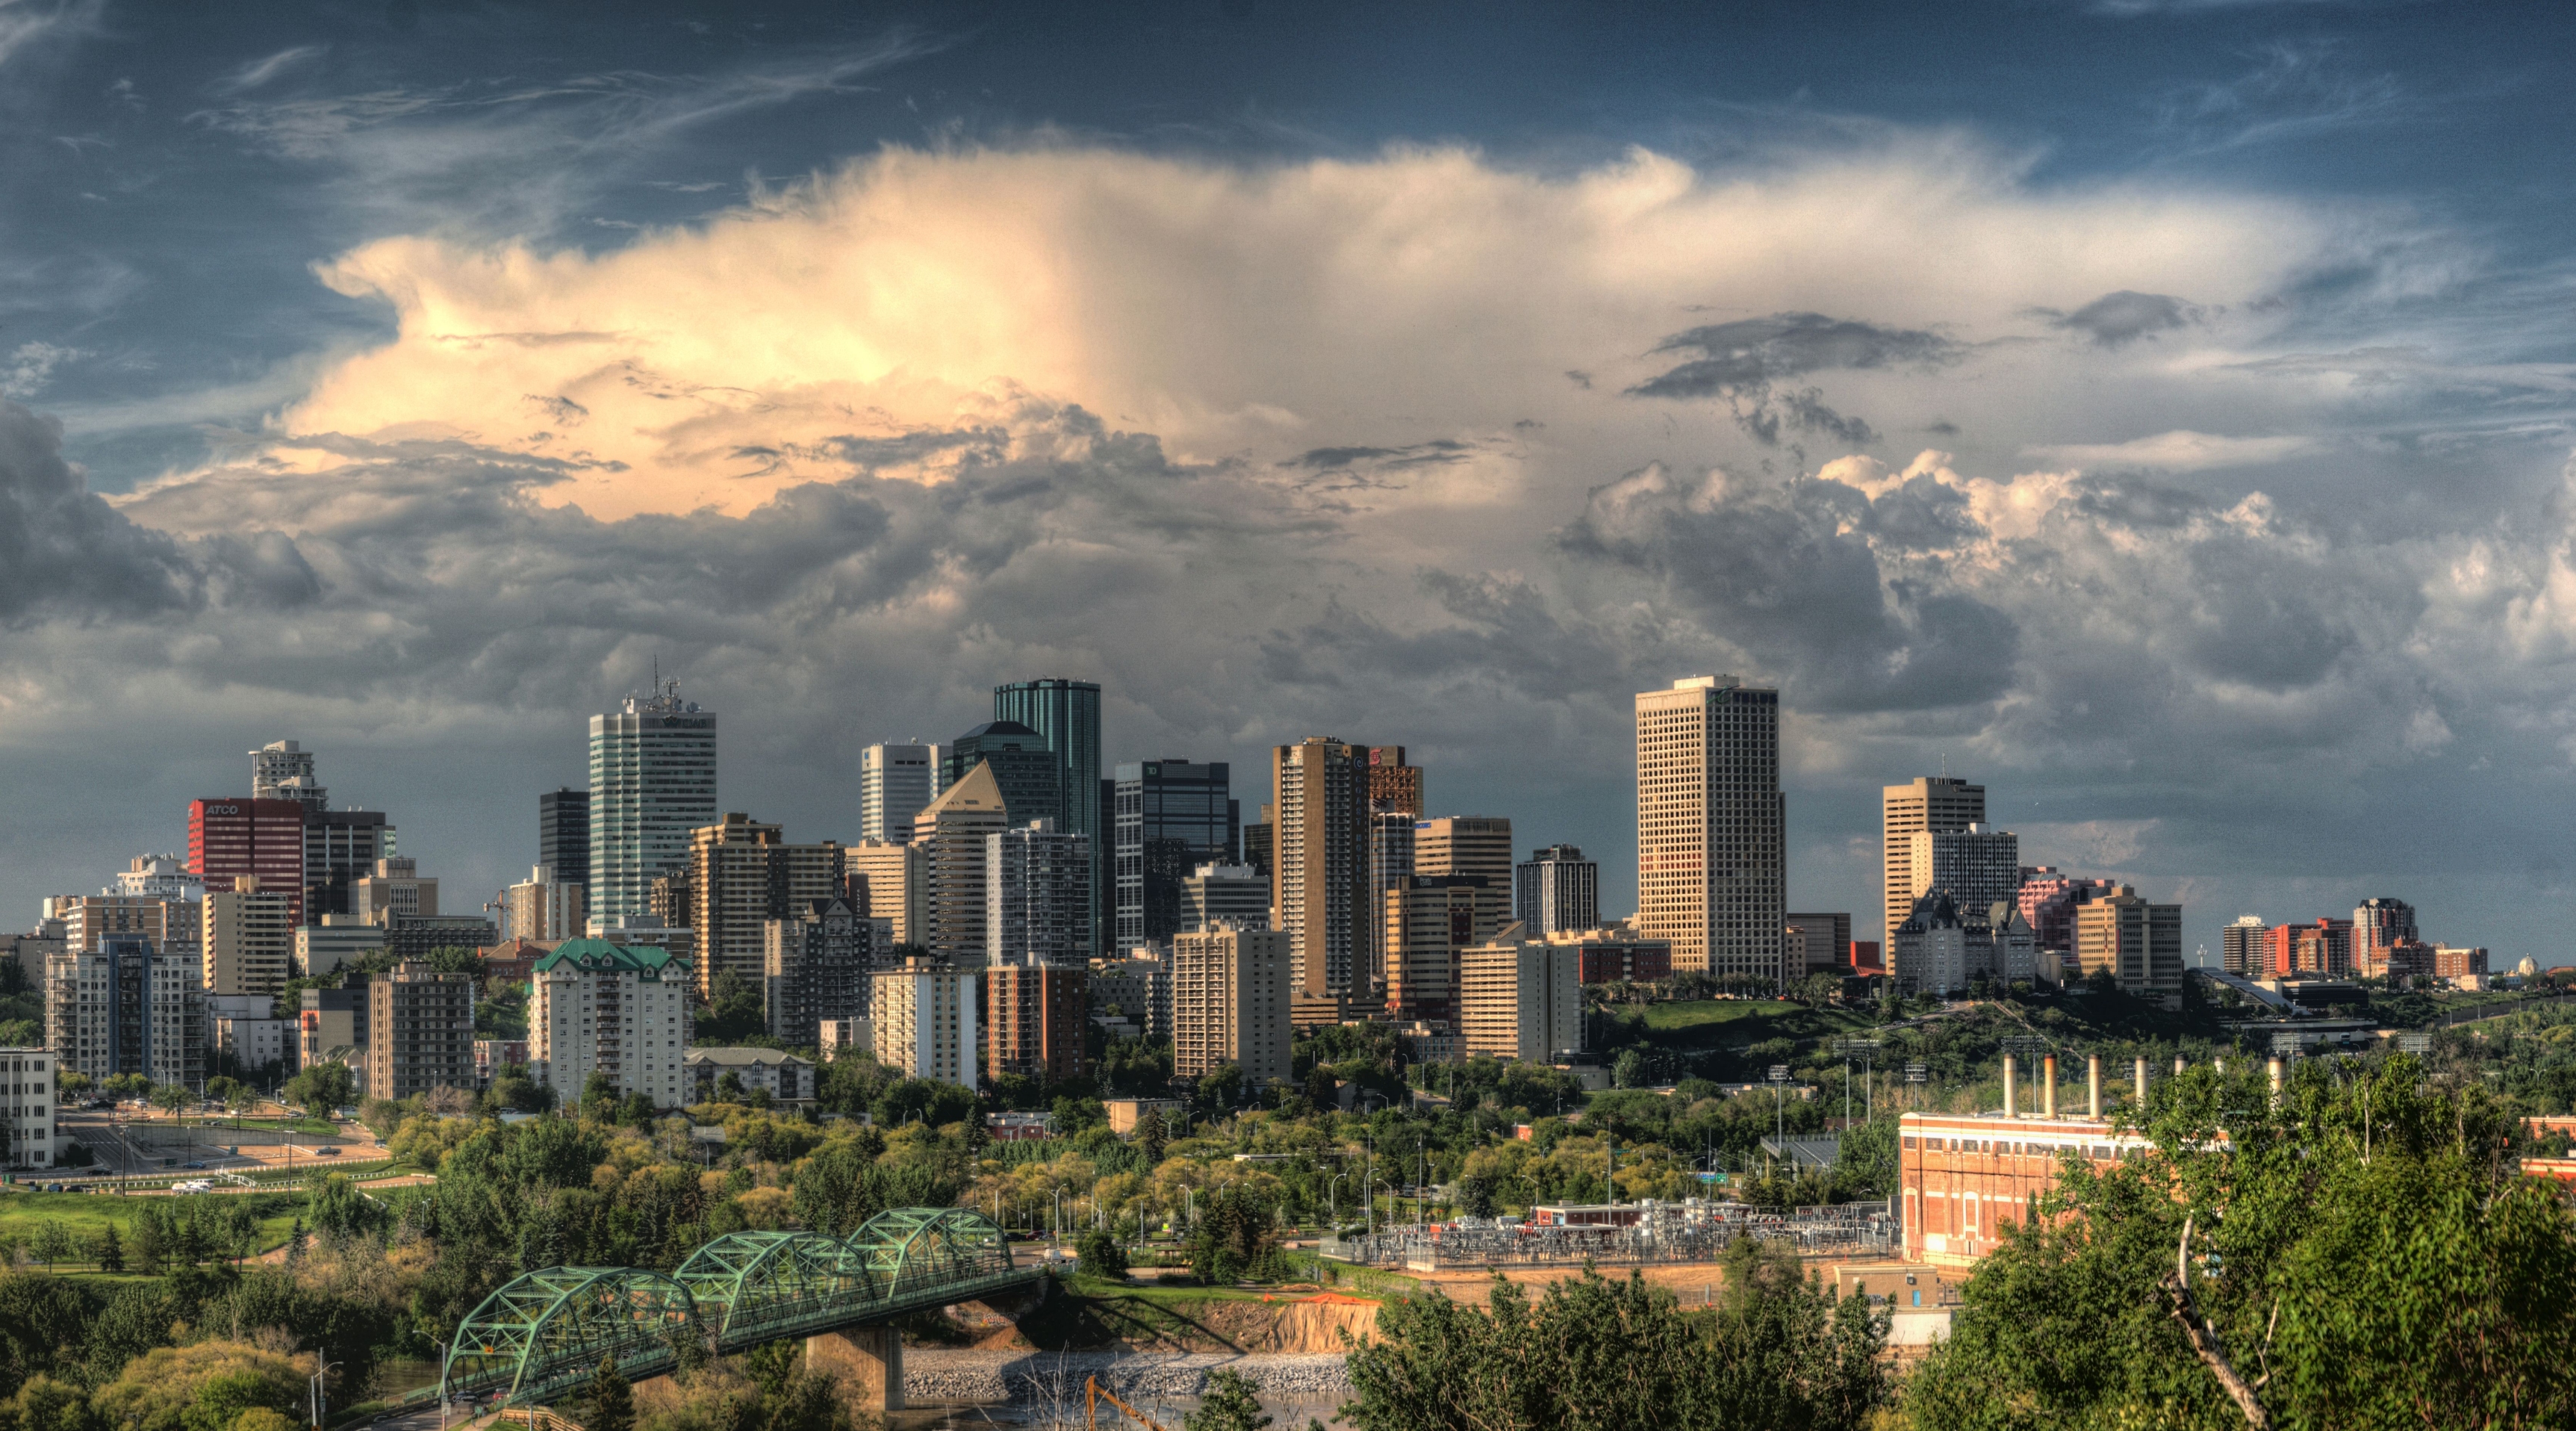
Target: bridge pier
[869,1361]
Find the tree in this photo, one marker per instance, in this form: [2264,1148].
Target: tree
[108,1251]
[1629,1069]
[53,1243]
[609,1403]
[1227,1404]
[322,1087]
[71,1084]
[1151,1135]
[599,1096]
[172,1097]
[1101,1255]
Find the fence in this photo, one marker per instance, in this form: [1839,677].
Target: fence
[1659,1235]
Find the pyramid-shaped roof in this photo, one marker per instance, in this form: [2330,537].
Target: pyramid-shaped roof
[976,794]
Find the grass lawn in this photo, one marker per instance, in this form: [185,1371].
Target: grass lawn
[86,1213]
[1718,1023]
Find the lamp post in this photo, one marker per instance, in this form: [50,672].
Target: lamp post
[314,1400]
[1333,1195]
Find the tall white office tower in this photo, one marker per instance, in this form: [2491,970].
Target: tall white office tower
[283,770]
[896,782]
[652,781]
[1711,857]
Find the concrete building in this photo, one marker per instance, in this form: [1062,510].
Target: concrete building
[283,770]
[544,906]
[1477,845]
[563,836]
[1557,891]
[925,1018]
[1168,818]
[1037,896]
[1393,786]
[1932,804]
[1964,1179]
[617,1010]
[817,966]
[246,939]
[2137,942]
[2049,898]
[836,1037]
[1712,875]
[27,1105]
[652,782]
[1614,954]
[1521,998]
[1429,924]
[1978,865]
[952,835]
[1929,953]
[258,1046]
[1319,790]
[229,838]
[492,1055]
[743,874]
[889,881]
[341,847]
[1028,775]
[2240,947]
[1224,894]
[164,877]
[2405,960]
[785,1077]
[1816,943]
[2378,925]
[1261,843]
[333,1023]
[1390,855]
[1066,715]
[1032,1020]
[2000,944]
[2322,949]
[513,960]
[417,936]
[128,1007]
[394,887]
[88,919]
[2459,961]
[1138,986]
[420,1031]
[1230,998]
[895,783]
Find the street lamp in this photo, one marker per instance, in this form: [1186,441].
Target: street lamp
[314,1400]
[1333,1195]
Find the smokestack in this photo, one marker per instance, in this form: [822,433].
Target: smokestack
[2093,1086]
[2142,1083]
[2008,1085]
[2275,1068]
[2048,1087]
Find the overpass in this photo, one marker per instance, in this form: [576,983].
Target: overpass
[547,1332]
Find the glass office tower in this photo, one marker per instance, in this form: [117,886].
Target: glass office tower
[1067,714]
[1171,816]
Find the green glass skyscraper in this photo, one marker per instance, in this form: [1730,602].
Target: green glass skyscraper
[1067,714]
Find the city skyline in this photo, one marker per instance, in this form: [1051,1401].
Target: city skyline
[2201,490]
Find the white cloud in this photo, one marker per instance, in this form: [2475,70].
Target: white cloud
[2177,451]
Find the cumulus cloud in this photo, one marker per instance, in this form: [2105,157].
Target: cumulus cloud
[2124,317]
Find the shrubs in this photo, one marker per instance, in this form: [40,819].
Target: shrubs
[1101,1255]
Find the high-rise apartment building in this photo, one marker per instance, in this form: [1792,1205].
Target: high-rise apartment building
[742,874]
[1139,987]
[89,919]
[1319,889]
[1556,891]
[420,1031]
[394,888]
[1479,845]
[1261,843]
[617,1010]
[887,881]
[545,906]
[924,1018]
[652,783]
[1520,997]
[1169,818]
[229,838]
[1978,865]
[246,940]
[1231,894]
[1816,943]
[1033,1020]
[563,834]
[950,834]
[1932,804]
[128,1006]
[1230,995]
[818,964]
[1428,924]
[2322,949]
[1067,714]
[895,782]
[340,848]
[1712,875]
[2240,946]
[1037,897]
[158,877]
[283,770]
[2377,926]
[2139,943]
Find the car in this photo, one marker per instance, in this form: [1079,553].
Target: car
[102,1171]
[194,1167]
[326,1152]
[53,1187]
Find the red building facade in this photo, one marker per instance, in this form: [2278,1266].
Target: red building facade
[229,838]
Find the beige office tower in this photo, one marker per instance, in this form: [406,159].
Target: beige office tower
[1230,991]
[1933,804]
[1521,997]
[1466,845]
[1425,924]
[1319,890]
[1711,842]
[743,874]
[248,938]
[889,879]
[544,909]
[2134,941]
[950,835]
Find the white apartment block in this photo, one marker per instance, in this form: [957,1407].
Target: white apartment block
[27,1101]
[1230,994]
[612,1009]
[895,783]
[923,1018]
[247,938]
[126,1007]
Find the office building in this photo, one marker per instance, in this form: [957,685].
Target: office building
[1816,943]
[283,770]
[1478,845]
[1929,952]
[420,1031]
[1066,714]
[1234,894]
[951,834]
[1932,804]
[395,887]
[1319,895]
[27,1106]
[1169,817]
[1261,841]
[1033,1020]
[563,834]
[1616,955]
[331,1025]
[164,877]
[341,847]
[88,919]
[1037,897]
[1977,865]
[785,1077]
[816,965]
[1711,858]
[617,1010]
[1029,775]
[1520,997]
[895,782]
[652,782]
[2377,926]
[743,874]
[229,838]
[1390,864]
[2458,961]
[888,881]
[1135,986]
[1428,924]
[1230,993]
[1394,787]
[2136,942]
[544,906]
[128,1006]
[1556,891]
[246,940]
[923,1014]
[2049,898]
[417,936]
[2241,947]
[2319,950]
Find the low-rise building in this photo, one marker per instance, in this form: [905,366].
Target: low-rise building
[1124,1113]
[514,961]
[1964,1178]
[783,1076]
[491,1055]
[617,1010]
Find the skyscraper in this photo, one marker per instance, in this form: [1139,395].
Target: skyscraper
[1479,845]
[1557,891]
[1393,786]
[1932,804]
[231,838]
[820,963]
[1977,865]
[950,834]
[652,781]
[2379,925]
[742,875]
[1067,714]
[1427,925]
[563,836]
[1037,897]
[340,847]
[1319,791]
[1169,818]
[1028,774]
[895,782]
[283,770]
[2240,946]
[1711,861]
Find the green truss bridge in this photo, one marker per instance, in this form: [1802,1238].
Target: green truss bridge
[547,1331]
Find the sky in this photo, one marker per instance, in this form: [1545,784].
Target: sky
[2159,412]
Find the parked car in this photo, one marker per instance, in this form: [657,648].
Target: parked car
[194,1167]
[326,1152]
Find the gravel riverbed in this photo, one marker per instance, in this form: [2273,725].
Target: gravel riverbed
[940,1374]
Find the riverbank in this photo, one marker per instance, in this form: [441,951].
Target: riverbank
[941,1374]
